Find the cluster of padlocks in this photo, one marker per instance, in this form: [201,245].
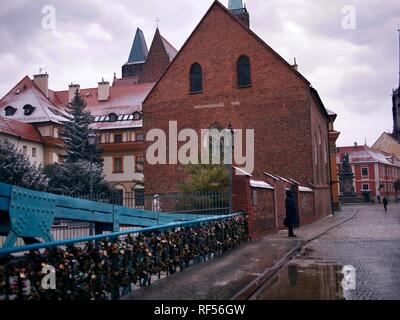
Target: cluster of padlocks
[108,268]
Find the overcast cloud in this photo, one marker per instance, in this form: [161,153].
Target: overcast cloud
[353,70]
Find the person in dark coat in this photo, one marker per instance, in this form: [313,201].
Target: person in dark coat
[291,213]
[385,203]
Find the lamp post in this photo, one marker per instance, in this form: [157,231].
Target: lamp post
[92,143]
[232,147]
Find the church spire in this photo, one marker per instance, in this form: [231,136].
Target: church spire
[398,30]
[239,10]
[137,57]
[396,104]
[235,4]
[139,49]
[160,56]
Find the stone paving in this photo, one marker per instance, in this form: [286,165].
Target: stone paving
[240,273]
[371,243]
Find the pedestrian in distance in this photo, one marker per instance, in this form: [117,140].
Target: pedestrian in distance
[379,199]
[385,203]
[291,213]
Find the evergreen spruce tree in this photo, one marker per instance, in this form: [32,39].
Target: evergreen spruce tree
[16,169]
[72,177]
[76,132]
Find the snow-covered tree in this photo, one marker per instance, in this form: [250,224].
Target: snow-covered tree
[72,177]
[16,169]
[76,132]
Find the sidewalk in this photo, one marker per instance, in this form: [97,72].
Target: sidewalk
[238,274]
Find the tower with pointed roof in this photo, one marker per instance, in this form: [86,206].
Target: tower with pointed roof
[137,56]
[160,56]
[396,105]
[240,11]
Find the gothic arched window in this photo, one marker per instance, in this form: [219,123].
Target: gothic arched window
[243,71]
[196,78]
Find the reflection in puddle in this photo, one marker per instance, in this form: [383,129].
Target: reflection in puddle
[304,282]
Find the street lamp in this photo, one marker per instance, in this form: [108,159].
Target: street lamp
[232,133]
[92,142]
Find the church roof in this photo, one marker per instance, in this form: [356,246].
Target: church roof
[19,129]
[27,93]
[139,49]
[127,81]
[169,48]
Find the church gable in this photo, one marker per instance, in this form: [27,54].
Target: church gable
[216,45]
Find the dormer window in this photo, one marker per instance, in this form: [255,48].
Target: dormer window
[112,117]
[10,111]
[28,109]
[137,116]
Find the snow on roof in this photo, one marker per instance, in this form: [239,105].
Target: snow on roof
[125,98]
[305,189]
[122,100]
[27,93]
[172,52]
[364,154]
[242,172]
[260,184]
[330,112]
[117,125]
[272,176]
[20,130]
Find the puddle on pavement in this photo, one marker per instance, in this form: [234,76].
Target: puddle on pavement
[304,280]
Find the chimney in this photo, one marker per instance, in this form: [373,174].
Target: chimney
[42,82]
[72,90]
[104,90]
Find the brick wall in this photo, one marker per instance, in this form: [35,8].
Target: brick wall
[277,105]
[263,210]
[258,203]
[306,207]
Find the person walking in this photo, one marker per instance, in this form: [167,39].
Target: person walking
[385,203]
[291,213]
[379,198]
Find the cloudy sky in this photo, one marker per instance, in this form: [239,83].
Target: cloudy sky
[353,69]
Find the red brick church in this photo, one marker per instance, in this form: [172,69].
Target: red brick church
[225,74]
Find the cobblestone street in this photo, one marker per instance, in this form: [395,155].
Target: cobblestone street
[370,242]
